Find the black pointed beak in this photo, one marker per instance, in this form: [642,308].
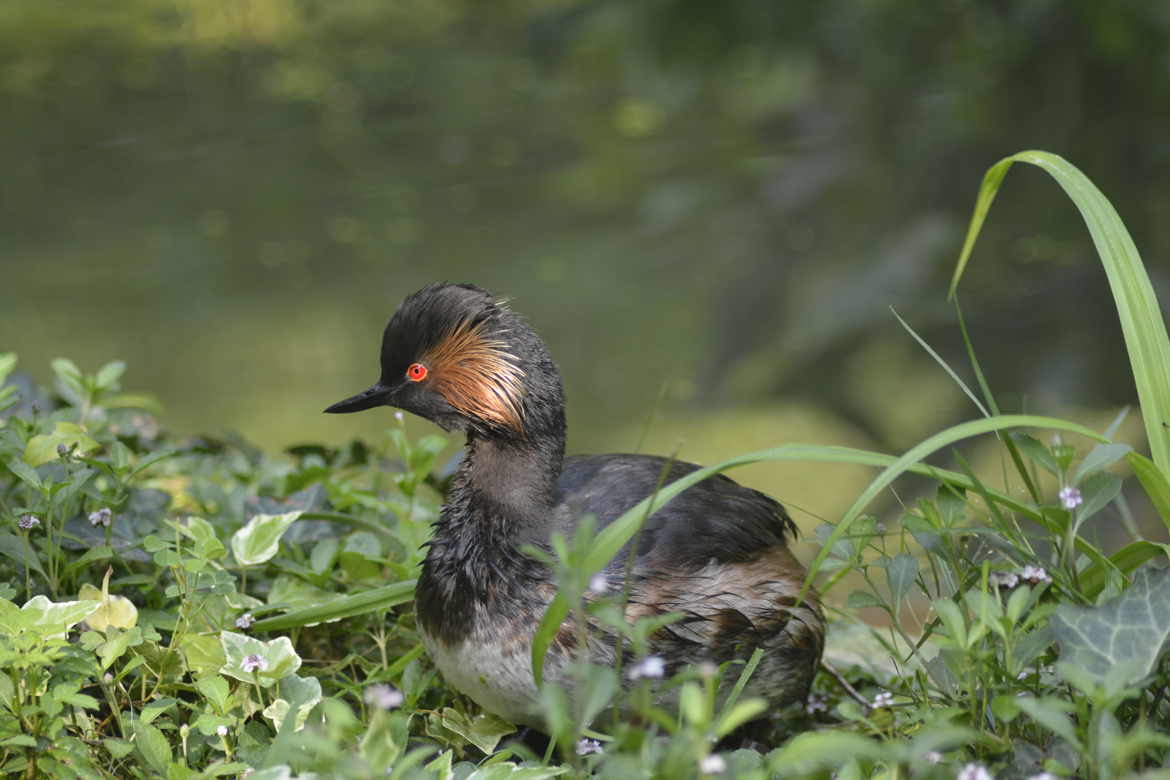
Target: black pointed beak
[377,395]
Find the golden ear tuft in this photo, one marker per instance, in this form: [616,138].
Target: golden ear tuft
[477,375]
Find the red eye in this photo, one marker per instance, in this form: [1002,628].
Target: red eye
[417,372]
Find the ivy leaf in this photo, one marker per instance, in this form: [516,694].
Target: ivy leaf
[259,540]
[301,694]
[1121,639]
[484,731]
[276,659]
[116,611]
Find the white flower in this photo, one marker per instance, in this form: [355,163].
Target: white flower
[816,703]
[713,764]
[1034,575]
[245,621]
[1003,579]
[383,696]
[650,666]
[221,731]
[883,699]
[28,522]
[107,678]
[253,663]
[707,669]
[1070,497]
[103,517]
[932,757]
[1043,776]
[399,416]
[973,772]
[598,583]
[586,747]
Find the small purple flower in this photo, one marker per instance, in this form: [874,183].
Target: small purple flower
[1003,579]
[973,772]
[1070,497]
[1034,575]
[1043,776]
[399,416]
[932,757]
[383,696]
[587,747]
[245,621]
[708,670]
[652,666]
[883,699]
[103,517]
[713,764]
[62,451]
[816,703]
[253,663]
[598,583]
[28,522]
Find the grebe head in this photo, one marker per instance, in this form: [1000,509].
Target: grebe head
[456,355]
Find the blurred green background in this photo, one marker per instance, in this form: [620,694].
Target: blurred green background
[706,208]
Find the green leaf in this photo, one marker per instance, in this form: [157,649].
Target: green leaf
[43,617]
[25,472]
[1142,325]
[108,375]
[1036,452]
[258,541]
[1099,490]
[509,771]
[153,746]
[815,750]
[215,689]
[1155,483]
[738,715]
[116,646]
[1052,713]
[1100,457]
[203,653]
[484,730]
[70,376]
[12,547]
[278,658]
[42,449]
[323,554]
[113,610]
[298,695]
[207,543]
[901,572]
[1126,633]
[7,363]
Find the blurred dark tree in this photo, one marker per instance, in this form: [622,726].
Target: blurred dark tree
[746,185]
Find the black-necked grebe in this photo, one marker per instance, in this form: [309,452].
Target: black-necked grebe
[717,553]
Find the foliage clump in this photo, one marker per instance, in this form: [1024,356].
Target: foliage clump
[195,608]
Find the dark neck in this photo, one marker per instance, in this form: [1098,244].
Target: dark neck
[501,499]
[510,482]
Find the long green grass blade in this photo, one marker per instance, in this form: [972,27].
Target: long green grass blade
[923,450]
[1154,482]
[614,536]
[1137,307]
[384,597]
